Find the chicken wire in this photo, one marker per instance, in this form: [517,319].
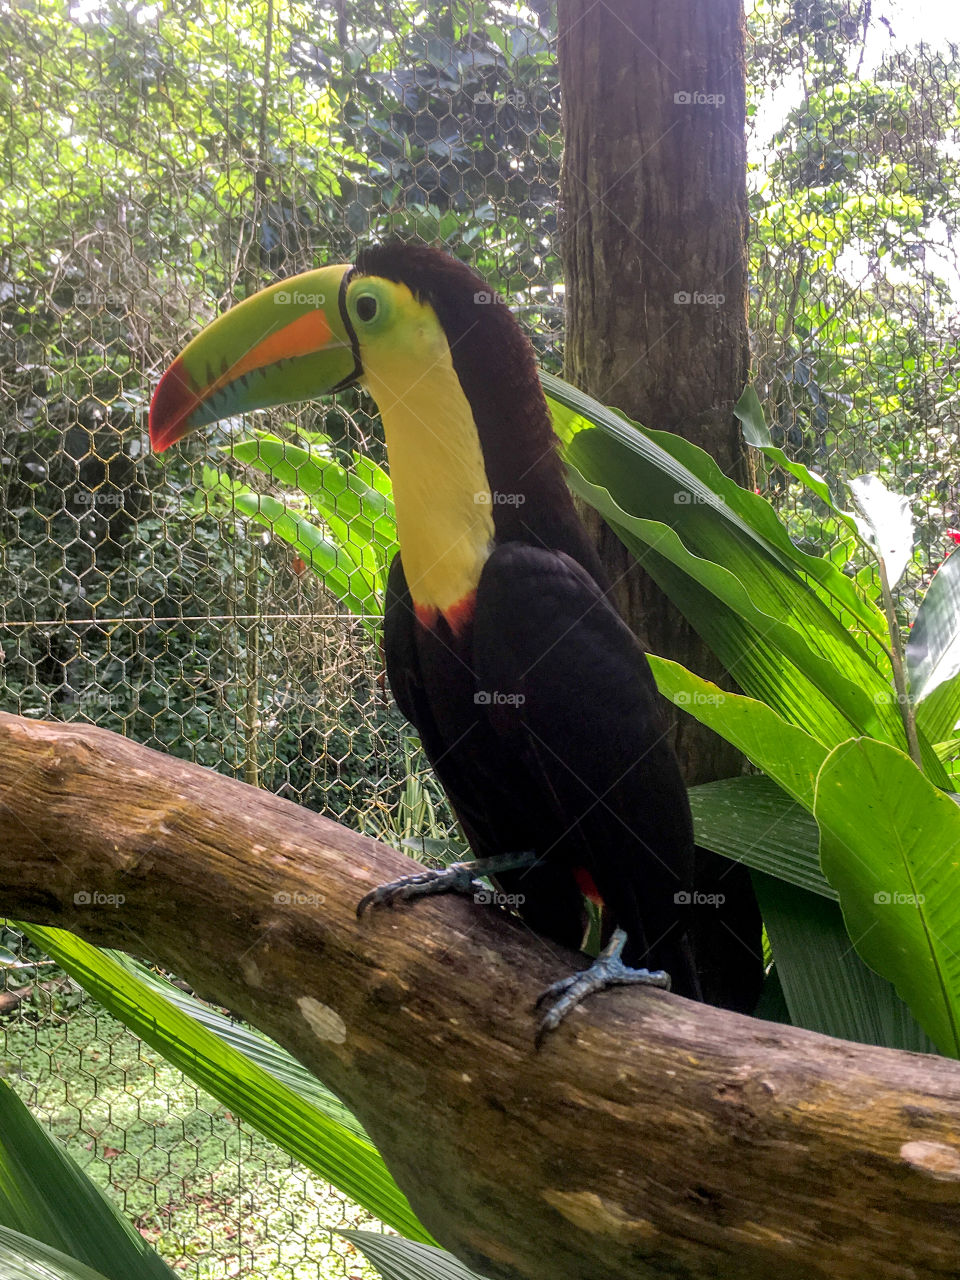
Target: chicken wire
[159,162]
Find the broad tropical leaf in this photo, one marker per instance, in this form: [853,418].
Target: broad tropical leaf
[791,756]
[766,650]
[45,1196]
[779,641]
[890,846]
[751,820]
[933,654]
[669,463]
[886,523]
[360,516]
[778,626]
[398,1259]
[949,755]
[826,985]
[260,1051]
[304,1126]
[356,587]
[23,1258]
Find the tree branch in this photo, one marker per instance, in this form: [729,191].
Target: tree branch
[651,1136]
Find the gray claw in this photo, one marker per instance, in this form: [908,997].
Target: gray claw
[606,971]
[459,877]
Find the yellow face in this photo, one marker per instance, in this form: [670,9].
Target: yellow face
[393,329]
[441,492]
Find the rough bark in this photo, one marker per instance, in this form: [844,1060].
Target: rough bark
[655,207]
[651,1137]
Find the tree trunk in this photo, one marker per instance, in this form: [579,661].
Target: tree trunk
[650,1138]
[654,212]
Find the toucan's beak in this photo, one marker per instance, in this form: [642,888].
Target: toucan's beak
[288,342]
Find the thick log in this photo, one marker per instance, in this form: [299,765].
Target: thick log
[651,1136]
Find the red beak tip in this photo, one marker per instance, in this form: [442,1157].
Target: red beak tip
[160,441]
[173,402]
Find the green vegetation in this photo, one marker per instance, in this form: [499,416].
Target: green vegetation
[175,1162]
[224,607]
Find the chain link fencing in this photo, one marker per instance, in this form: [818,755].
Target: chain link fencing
[160,161]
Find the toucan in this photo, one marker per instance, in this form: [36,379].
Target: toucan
[532,698]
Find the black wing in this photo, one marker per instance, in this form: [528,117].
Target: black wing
[573,696]
[546,731]
[433,678]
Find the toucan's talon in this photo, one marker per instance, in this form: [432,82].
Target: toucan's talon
[459,877]
[557,988]
[453,879]
[606,971]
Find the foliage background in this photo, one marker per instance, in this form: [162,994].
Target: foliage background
[160,161]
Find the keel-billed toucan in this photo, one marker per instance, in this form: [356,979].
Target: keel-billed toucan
[533,700]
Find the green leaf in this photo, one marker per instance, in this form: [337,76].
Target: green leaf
[303,1126]
[826,985]
[45,1196]
[361,517]
[258,1049]
[933,653]
[23,1258]
[806,667]
[939,712]
[887,523]
[670,468]
[751,820]
[355,587]
[778,638]
[948,754]
[750,412]
[782,640]
[890,846]
[397,1259]
[791,756]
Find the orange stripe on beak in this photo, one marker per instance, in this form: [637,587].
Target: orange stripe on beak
[300,337]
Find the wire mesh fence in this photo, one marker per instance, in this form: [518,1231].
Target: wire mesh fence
[161,161]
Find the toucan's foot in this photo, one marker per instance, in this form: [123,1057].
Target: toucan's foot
[459,877]
[606,971]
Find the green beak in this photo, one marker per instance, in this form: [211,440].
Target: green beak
[289,342]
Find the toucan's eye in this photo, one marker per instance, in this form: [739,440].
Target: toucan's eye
[366,307]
